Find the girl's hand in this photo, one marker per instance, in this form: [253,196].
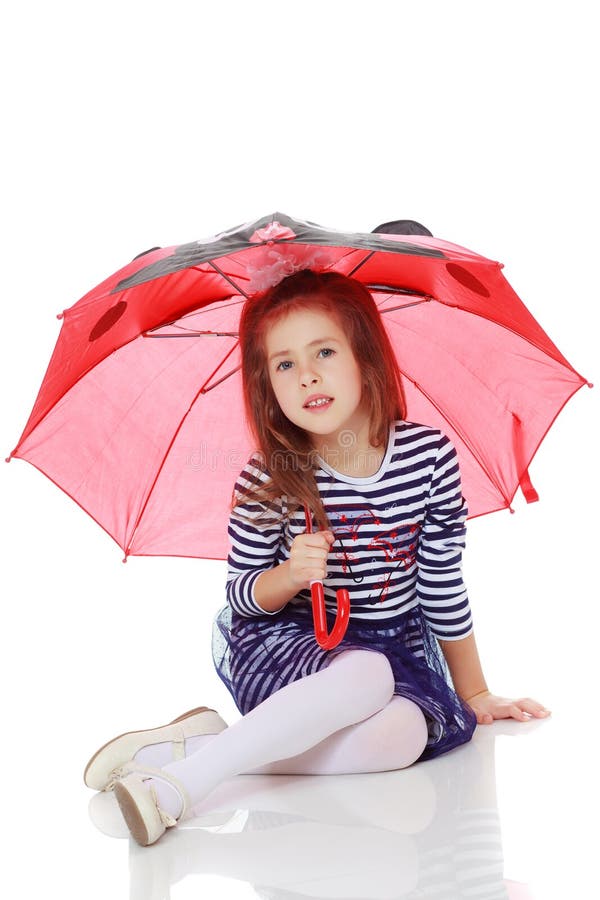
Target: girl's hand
[308,558]
[488,706]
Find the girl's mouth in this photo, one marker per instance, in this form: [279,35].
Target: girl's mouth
[319,405]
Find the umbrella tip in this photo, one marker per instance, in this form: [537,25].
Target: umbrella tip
[124,560]
[589,384]
[8,458]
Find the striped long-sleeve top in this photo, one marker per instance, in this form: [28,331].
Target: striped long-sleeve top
[399,536]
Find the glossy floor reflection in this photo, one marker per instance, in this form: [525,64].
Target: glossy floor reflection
[434,830]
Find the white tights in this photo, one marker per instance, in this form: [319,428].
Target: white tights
[343,719]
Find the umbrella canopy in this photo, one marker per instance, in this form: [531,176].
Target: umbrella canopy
[140,414]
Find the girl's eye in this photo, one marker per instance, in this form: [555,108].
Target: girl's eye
[286,362]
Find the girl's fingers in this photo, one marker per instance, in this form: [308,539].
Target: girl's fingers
[308,553]
[526,708]
[525,711]
[517,713]
[316,539]
[533,707]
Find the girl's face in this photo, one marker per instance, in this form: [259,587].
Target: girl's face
[310,359]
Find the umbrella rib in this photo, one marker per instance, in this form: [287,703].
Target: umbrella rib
[201,390]
[132,403]
[215,384]
[189,334]
[405,305]
[334,265]
[462,436]
[360,264]
[199,311]
[228,280]
[394,289]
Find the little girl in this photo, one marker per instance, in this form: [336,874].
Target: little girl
[324,400]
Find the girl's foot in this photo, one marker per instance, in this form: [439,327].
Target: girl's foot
[120,751]
[137,797]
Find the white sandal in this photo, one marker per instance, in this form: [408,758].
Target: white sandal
[113,758]
[139,804]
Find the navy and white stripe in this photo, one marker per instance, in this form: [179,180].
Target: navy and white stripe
[399,536]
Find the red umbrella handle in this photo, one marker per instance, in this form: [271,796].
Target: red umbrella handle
[325,640]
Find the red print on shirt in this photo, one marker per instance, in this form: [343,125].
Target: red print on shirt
[349,525]
[405,556]
[392,543]
[345,558]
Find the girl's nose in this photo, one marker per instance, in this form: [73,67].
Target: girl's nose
[307,374]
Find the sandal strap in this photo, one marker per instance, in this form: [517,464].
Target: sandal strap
[149,772]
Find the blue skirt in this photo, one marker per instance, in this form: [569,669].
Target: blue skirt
[256,656]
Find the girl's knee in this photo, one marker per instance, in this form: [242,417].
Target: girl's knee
[408,730]
[368,671]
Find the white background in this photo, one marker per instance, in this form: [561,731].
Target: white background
[130,125]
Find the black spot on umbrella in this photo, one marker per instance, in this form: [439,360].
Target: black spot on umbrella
[464,277]
[402,226]
[107,320]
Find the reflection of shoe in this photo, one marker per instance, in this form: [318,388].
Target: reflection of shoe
[107,817]
[139,805]
[105,814]
[153,874]
[122,749]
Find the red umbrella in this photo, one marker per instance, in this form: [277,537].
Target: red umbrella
[140,419]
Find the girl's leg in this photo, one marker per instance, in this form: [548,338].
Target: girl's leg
[355,685]
[391,739]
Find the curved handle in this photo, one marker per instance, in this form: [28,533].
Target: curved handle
[325,640]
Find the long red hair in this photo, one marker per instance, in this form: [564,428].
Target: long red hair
[286,450]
